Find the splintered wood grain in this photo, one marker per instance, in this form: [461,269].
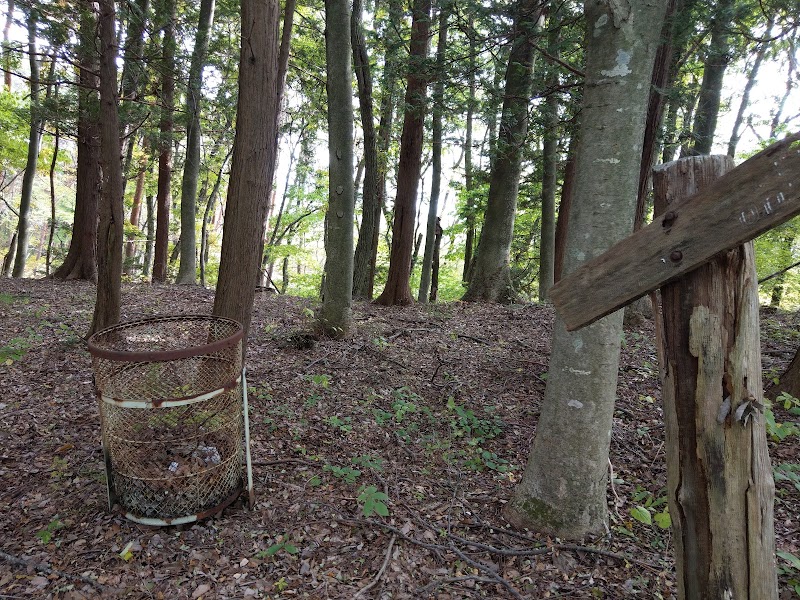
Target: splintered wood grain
[759,195]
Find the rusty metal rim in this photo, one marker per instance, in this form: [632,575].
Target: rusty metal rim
[188,518]
[164,355]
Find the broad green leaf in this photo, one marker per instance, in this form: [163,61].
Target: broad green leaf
[663,519]
[790,558]
[641,514]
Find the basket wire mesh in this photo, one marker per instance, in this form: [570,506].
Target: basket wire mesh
[172,400]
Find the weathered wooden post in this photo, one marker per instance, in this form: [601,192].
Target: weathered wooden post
[698,252]
[719,477]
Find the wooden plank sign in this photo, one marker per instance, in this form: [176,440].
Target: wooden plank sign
[756,196]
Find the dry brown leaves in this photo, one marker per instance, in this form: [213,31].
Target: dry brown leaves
[432,406]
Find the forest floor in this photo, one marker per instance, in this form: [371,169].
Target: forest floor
[433,406]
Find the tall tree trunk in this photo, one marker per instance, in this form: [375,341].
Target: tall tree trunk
[52,232]
[491,277]
[469,185]
[133,68]
[748,87]
[81,259]
[136,209]
[163,196]
[719,479]
[187,271]
[398,290]
[363,260]
[33,151]
[436,159]
[8,259]
[253,163]
[717,58]
[564,207]
[790,85]
[6,45]
[547,244]
[655,110]
[211,206]
[151,234]
[110,228]
[335,313]
[563,489]
[437,246]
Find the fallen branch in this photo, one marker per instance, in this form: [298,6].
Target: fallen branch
[381,571]
[48,570]
[437,583]
[484,568]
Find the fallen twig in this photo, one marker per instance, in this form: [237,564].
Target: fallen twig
[381,571]
[437,583]
[48,570]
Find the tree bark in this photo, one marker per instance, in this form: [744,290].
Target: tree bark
[563,489]
[720,486]
[253,162]
[187,271]
[81,259]
[437,245]
[744,104]
[436,159]
[547,244]
[335,313]
[131,79]
[469,208]
[717,58]
[6,48]
[52,231]
[363,260]
[789,381]
[398,290]
[110,228]
[163,195]
[33,151]
[136,209]
[564,207]
[491,278]
[151,234]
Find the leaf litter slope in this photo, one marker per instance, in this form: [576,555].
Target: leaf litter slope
[381,461]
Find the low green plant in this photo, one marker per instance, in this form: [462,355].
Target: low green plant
[282,545]
[381,416]
[346,474]
[343,424]
[791,570]
[46,534]
[14,350]
[373,502]
[322,381]
[650,509]
[484,459]
[368,461]
[780,431]
[467,424]
[789,472]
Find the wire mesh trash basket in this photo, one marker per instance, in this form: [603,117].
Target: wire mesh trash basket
[173,416]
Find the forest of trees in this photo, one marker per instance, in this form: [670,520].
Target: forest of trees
[473,123]
[475,151]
